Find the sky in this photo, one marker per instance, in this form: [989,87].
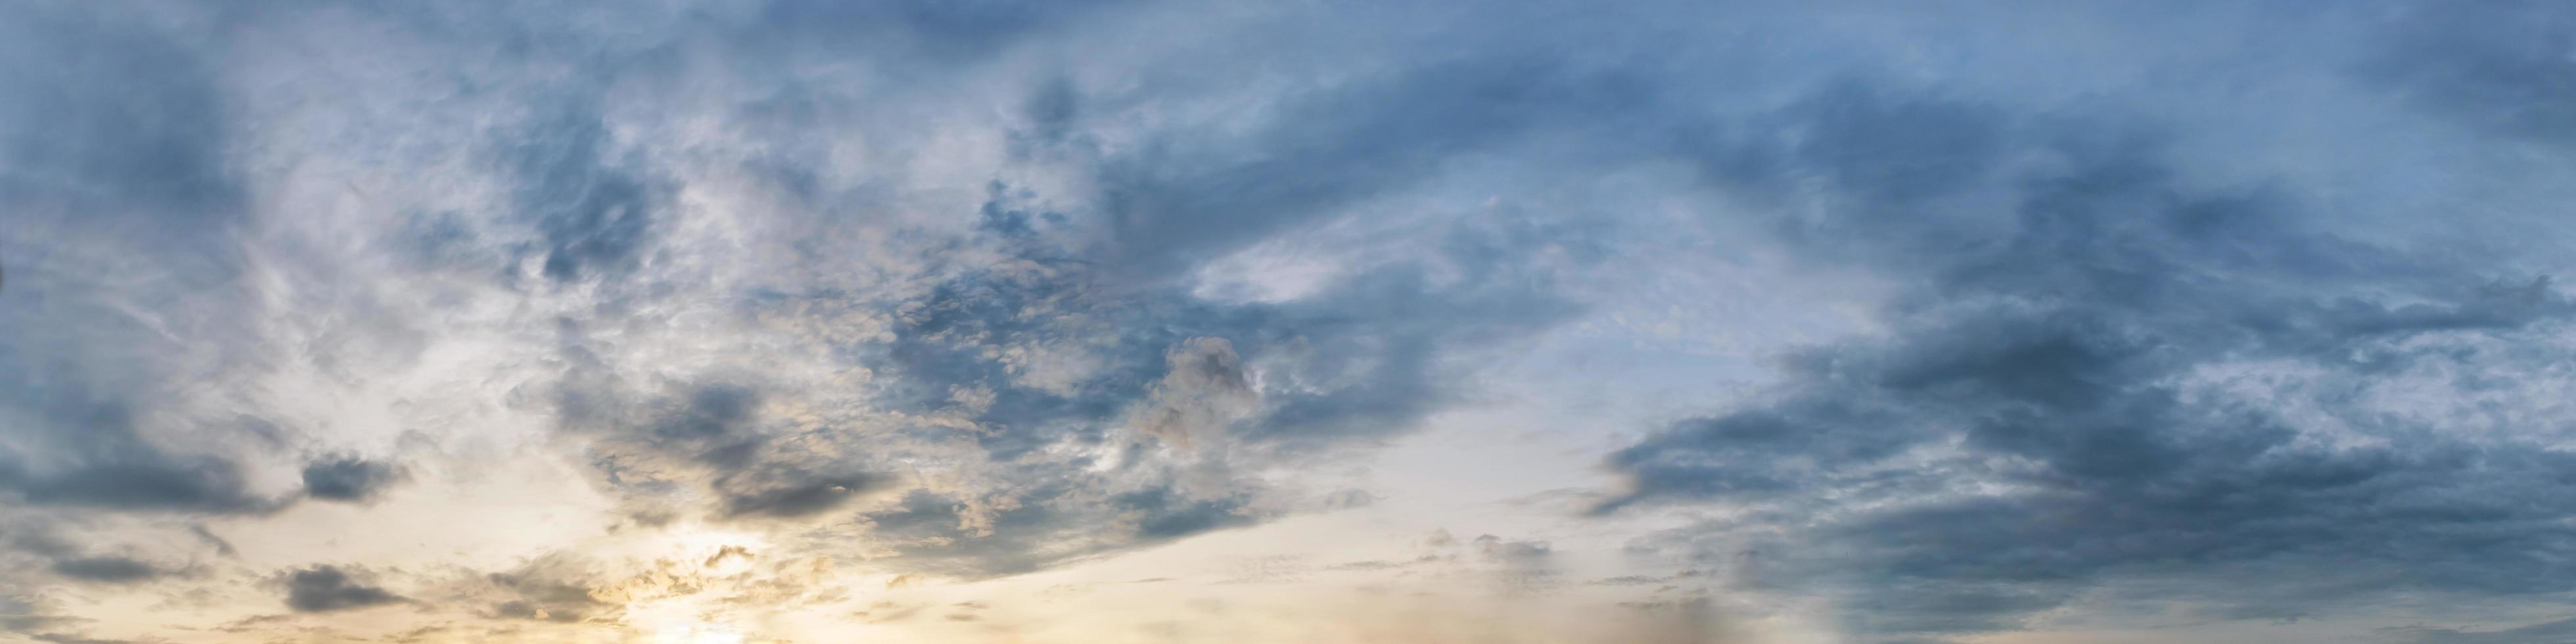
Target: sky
[1437,322]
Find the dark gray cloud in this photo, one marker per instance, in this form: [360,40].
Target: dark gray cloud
[105,569]
[349,478]
[328,588]
[798,496]
[2049,350]
[113,466]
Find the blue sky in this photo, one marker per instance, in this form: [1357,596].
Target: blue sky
[1076,321]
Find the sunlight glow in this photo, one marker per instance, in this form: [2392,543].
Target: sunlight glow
[697,634]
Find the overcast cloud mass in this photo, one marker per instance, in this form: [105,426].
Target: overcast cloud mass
[817,321]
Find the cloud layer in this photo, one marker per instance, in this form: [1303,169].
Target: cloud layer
[483,321]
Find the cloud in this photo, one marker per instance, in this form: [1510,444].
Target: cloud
[205,483]
[1335,148]
[75,639]
[122,200]
[2502,69]
[1084,403]
[348,478]
[2552,632]
[593,218]
[728,552]
[321,589]
[939,31]
[1348,366]
[1518,553]
[2065,400]
[2158,312]
[28,615]
[798,499]
[129,121]
[221,546]
[1048,346]
[554,588]
[1204,391]
[115,570]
